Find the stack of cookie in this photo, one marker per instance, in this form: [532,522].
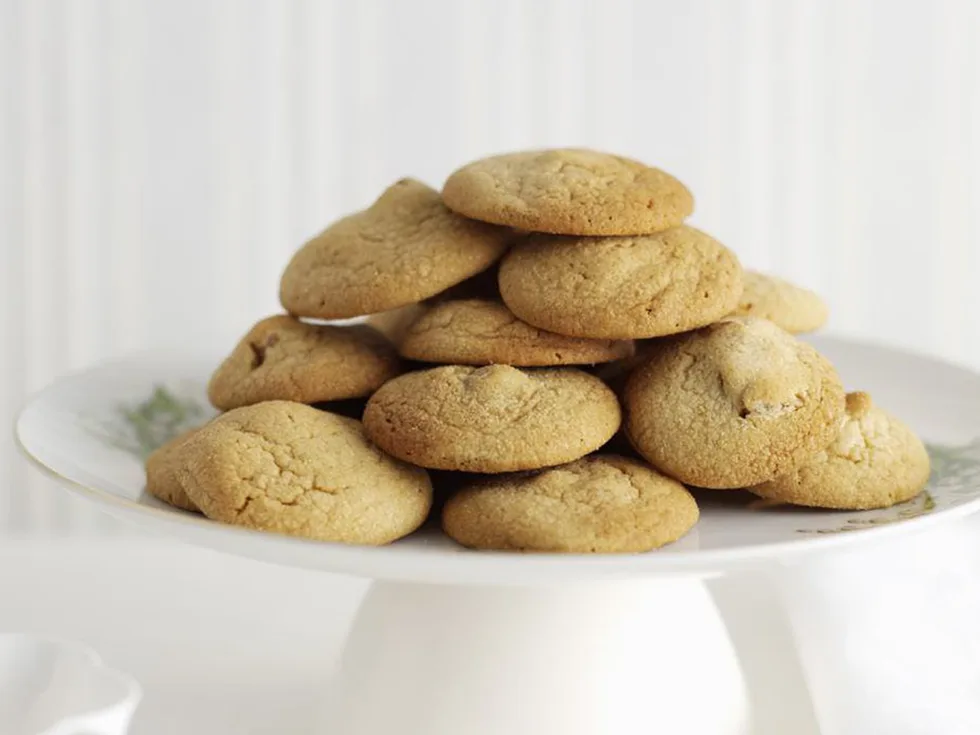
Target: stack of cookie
[551,336]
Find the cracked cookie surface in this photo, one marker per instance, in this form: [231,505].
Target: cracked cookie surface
[731,405]
[621,287]
[874,462]
[290,468]
[406,247]
[282,358]
[569,191]
[484,332]
[795,309]
[161,473]
[492,419]
[602,503]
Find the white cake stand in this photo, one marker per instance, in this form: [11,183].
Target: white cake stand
[450,641]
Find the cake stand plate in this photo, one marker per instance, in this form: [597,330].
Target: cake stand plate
[449,640]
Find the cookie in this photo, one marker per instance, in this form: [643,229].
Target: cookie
[282,358]
[484,332]
[404,248]
[874,462]
[292,469]
[161,473]
[791,307]
[394,324]
[599,504]
[569,192]
[491,419]
[735,404]
[621,287]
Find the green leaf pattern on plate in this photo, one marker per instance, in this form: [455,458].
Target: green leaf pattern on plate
[955,473]
[142,427]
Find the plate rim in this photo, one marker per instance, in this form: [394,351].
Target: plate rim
[455,567]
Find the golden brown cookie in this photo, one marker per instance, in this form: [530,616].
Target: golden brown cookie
[394,324]
[734,404]
[491,419]
[404,248]
[282,358]
[484,332]
[290,468]
[569,192]
[599,504]
[161,473]
[874,462]
[621,287]
[791,307]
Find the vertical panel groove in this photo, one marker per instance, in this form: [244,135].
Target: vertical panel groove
[849,43]
[13,331]
[233,220]
[952,127]
[45,307]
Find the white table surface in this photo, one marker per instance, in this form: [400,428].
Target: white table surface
[228,645]
[220,645]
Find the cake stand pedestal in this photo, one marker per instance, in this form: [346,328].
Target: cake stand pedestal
[454,642]
[578,659]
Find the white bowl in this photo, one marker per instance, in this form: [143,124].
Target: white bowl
[51,687]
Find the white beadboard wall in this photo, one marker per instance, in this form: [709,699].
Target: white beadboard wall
[159,160]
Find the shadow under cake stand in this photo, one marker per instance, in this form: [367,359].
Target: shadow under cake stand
[451,641]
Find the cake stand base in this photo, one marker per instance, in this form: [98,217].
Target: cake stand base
[582,659]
